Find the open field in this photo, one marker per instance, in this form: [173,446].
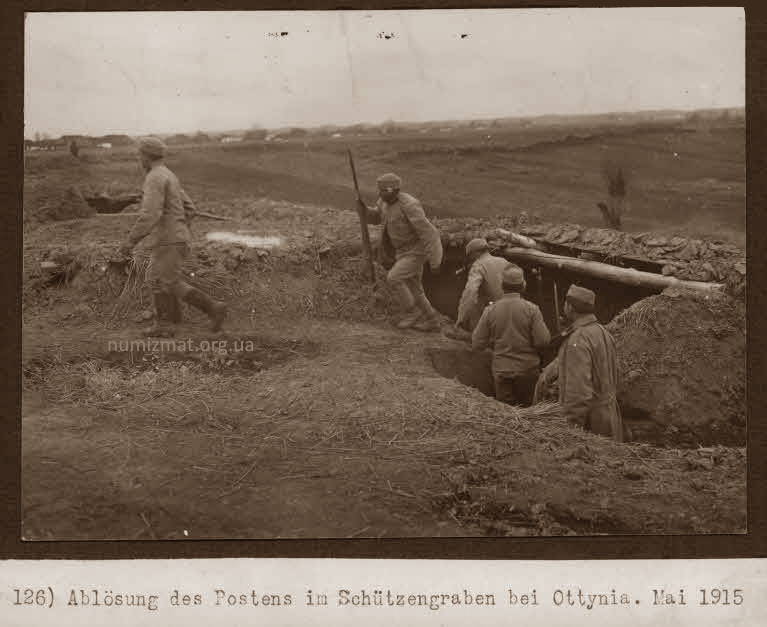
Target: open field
[684,181]
[334,424]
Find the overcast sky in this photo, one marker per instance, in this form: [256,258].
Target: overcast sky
[163,72]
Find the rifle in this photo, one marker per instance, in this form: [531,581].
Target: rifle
[362,211]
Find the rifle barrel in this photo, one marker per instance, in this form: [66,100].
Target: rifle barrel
[362,212]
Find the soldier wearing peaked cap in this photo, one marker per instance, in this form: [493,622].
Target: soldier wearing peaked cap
[412,241]
[483,283]
[514,328]
[165,213]
[587,368]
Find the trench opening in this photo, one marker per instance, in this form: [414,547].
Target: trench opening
[444,291]
[104,203]
[474,369]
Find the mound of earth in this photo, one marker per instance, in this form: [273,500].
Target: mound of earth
[681,257]
[671,392]
[682,359]
[52,202]
[315,268]
[682,368]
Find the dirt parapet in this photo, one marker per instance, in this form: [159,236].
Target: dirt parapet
[51,202]
[680,257]
[682,369]
[682,361]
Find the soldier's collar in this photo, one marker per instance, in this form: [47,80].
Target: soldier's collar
[583,320]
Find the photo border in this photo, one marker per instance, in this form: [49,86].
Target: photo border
[753,544]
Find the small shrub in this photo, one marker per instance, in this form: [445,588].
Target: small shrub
[616,178]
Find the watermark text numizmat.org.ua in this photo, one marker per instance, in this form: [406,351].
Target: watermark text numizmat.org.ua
[170,345]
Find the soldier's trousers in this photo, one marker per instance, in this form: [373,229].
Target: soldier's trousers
[406,279]
[164,274]
[516,389]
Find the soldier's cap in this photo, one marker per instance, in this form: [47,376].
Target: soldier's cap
[581,299]
[389,182]
[152,147]
[476,245]
[513,276]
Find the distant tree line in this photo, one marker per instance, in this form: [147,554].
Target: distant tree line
[43,141]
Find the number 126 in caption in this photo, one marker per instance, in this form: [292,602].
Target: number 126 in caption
[42,597]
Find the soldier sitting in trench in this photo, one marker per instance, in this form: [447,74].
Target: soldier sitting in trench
[483,284]
[587,368]
[514,328]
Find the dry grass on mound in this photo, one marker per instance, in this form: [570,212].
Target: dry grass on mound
[682,364]
[56,203]
[366,398]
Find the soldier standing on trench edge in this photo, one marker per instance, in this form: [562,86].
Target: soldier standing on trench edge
[587,369]
[165,212]
[413,241]
[484,283]
[514,328]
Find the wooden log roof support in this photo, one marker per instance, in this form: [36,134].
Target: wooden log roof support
[595,269]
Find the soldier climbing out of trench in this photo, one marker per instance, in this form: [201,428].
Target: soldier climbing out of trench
[165,213]
[514,328]
[411,241]
[587,368]
[483,284]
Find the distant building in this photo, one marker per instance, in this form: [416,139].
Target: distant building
[257,134]
[105,145]
[114,140]
[45,144]
[228,139]
[80,140]
[178,138]
[336,135]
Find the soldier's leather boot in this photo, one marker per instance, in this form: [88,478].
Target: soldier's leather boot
[429,322]
[163,324]
[215,310]
[410,318]
[430,319]
[174,306]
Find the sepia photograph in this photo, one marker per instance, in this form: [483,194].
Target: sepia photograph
[384,274]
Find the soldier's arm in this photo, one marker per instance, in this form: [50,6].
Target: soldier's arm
[540,332]
[551,372]
[152,204]
[425,230]
[577,394]
[480,338]
[470,294]
[373,214]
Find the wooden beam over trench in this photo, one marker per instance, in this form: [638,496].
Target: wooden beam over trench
[605,272]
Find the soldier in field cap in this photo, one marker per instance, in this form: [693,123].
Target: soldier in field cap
[514,328]
[587,368]
[412,241]
[483,283]
[165,213]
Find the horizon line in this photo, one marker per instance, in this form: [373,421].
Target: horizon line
[403,122]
